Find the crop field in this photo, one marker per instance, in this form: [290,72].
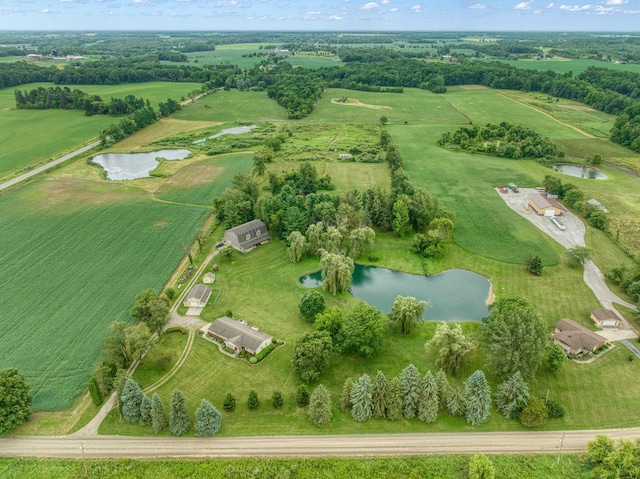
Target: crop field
[73,256]
[412,106]
[563,65]
[200,182]
[48,134]
[233,105]
[427,467]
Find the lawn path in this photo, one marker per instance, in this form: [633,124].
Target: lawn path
[547,115]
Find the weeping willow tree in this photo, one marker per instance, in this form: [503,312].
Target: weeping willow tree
[337,270]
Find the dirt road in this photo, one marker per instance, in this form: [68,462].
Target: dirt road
[51,164]
[307,446]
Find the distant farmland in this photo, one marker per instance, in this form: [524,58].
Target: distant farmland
[73,256]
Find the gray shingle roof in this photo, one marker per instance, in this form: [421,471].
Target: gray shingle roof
[240,334]
[199,292]
[252,228]
[576,336]
[603,314]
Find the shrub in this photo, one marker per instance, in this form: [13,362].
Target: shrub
[535,413]
[94,391]
[229,403]
[253,402]
[554,409]
[311,304]
[176,329]
[170,292]
[253,360]
[163,361]
[276,400]
[302,396]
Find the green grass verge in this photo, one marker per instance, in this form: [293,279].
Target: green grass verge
[426,467]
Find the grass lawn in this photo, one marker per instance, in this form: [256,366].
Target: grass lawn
[360,176]
[30,137]
[233,105]
[161,358]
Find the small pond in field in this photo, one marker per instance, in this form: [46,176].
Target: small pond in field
[455,295]
[236,130]
[580,171]
[131,166]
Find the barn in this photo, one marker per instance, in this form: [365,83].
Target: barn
[545,206]
[247,236]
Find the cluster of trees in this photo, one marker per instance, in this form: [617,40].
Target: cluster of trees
[15,400]
[574,197]
[626,129]
[629,281]
[137,120]
[137,407]
[297,91]
[613,460]
[504,140]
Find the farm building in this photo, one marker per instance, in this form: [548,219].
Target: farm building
[597,205]
[345,156]
[605,318]
[209,278]
[239,336]
[197,296]
[546,206]
[575,339]
[247,236]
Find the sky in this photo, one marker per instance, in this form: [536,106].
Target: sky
[322,15]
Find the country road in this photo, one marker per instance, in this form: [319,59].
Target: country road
[307,446]
[51,164]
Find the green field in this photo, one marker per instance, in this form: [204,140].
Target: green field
[233,105]
[562,65]
[48,134]
[73,255]
[426,467]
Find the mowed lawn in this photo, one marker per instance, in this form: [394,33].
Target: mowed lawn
[233,105]
[412,106]
[73,255]
[30,137]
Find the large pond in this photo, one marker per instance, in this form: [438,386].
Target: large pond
[131,166]
[236,130]
[580,171]
[455,295]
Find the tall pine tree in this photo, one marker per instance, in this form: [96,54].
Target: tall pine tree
[478,394]
[512,395]
[429,400]
[159,418]
[379,395]
[443,387]
[208,420]
[410,380]
[395,399]
[131,399]
[179,420]
[145,411]
[319,410]
[361,401]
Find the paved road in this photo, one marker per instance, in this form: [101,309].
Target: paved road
[51,164]
[306,446]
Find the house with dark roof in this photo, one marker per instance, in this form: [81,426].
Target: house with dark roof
[575,339]
[605,318]
[247,236]
[239,336]
[545,206]
[197,296]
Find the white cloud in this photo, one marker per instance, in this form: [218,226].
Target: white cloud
[524,5]
[385,2]
[537,12]
[616,2]
[313,13]
[575,8]
[478,6]
[550,5]
[370,5]
[416,8]
[226,3]
[631,12]
[142,2]
[335,17]
[393,9]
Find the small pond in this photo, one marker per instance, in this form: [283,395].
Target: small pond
[580,171]
[236,130]
[455,295]
[131,166]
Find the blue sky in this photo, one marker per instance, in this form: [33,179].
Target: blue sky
[337,15]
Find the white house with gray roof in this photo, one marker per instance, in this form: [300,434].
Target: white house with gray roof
[239,335]
[247,236]
[198,296]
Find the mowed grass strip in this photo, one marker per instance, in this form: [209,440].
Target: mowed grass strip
[73,256]
[357,176]
[200,182]
[231,106]
[465,183]
[30,137]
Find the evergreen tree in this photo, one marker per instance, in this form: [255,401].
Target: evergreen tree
[478,394]
[208,420]
[379,395]
[535,413]
[159,418]
[410,380]
[253,402]
[229,403]
[276,400]
[345,397]
[179,420]
[429,400]
[302,396]
[395,399]
[534,265]
[319,411]
[512,395]
[443,387]
[361,401]
[146,406]
[481,467]
[94,391]
[131,399]
[456,402]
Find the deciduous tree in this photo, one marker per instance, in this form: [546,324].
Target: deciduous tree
[579,255]
[331,320]
[337,271]
[319,410]
[311,304]
[452,346]
[556,357]
[534,265]
[481,467]
[363,329]
[151,309]
[405,312]
[456,401]
[15,400]
[311,355]
[535,413]
[297,246]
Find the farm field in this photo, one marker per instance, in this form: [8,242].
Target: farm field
[563,65]
[48,134]
[74,254]
[427,467]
